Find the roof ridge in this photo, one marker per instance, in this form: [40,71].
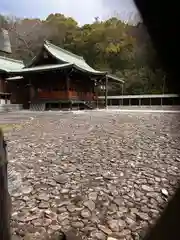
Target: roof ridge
[65,51]
[12,59]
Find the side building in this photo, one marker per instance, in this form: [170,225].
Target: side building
[7,65]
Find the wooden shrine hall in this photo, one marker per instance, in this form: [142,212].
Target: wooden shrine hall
[54,79]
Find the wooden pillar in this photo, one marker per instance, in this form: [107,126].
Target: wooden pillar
[97,100]
[31,92]
[5,90]
[106,92]
[67,83]
[96,93]
[92,90]
[67,86]
[122,93]
[71,105]
[1,84]
[2,89]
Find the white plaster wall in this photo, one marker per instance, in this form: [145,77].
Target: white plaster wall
[2,101]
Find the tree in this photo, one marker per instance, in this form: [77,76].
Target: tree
[5,45]
[110,45]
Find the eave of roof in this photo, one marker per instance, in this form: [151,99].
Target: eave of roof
[14,78]
[43,68]
[114,78]
[9,64]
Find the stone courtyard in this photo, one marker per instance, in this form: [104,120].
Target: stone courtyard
[102,174]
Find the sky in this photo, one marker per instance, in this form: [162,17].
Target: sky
[83,11]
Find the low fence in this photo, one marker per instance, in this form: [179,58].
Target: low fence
[142,100]
[153,107]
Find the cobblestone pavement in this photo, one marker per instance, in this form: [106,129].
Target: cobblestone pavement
[102,174]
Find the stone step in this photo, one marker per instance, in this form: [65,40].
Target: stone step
[10,107]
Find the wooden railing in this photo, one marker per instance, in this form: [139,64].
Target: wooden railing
[52,95]
[81,95]
[64,95]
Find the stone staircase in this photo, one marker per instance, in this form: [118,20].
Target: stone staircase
[10,107]
[90,105]
[37,107]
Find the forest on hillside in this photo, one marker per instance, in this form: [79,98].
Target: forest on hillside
[123,50]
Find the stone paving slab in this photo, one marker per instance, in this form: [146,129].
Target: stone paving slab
[102,174]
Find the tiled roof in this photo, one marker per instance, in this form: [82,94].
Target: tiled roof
[68,57]
[9,64]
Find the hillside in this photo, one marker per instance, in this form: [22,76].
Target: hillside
[110,45]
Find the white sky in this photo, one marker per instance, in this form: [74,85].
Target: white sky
[83,11]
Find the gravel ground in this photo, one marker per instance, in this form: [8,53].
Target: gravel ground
[102,174]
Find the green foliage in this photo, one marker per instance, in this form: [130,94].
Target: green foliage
[108,45]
